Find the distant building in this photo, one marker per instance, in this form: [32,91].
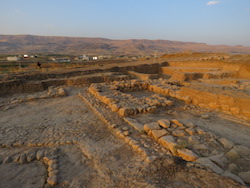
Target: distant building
[14,58]
[25,56]
[61,60]
[84,58]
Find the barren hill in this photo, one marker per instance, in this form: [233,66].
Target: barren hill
[14,44]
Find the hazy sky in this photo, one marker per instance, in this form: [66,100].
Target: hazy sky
[212,22]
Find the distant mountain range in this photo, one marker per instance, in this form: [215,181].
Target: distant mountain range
[30,44]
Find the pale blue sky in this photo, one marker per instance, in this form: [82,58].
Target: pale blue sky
[212,22]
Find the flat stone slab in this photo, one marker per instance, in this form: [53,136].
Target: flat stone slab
[164,123]
[151,126]
[233,176]
[187,154]
[159,133]
[208,163]
[226,143]
[134,123]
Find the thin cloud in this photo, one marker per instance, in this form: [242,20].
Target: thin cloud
[212,3]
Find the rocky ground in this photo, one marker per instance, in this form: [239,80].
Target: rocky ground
[53,139]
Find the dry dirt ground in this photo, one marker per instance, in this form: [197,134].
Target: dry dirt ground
[62,136]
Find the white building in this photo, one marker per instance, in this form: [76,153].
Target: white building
[14,58]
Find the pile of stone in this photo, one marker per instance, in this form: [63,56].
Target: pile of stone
[125,104]
[46,156]
[196,145]
[50,93]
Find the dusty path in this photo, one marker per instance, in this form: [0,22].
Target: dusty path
[87,154]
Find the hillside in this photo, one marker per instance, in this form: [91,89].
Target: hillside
[16,44]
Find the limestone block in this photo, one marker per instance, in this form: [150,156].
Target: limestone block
[176,122]
[52,180]
[61,91]
[151,126]
[200,131]
[208,163]
[134,123]
[205,116]
[233,176]
[233,168]
[226,143]
[190,125]
[245,176]
[52,162]
[168,142]
[193,140]
[169,102]
[159,133]
[126,133]
[190,131]
[23,158]
[187,154]
[201,147]
[164,123]
[243,151]
[31,156]
[53,173]
[114,107]
[220,160]
[232,154]
[124,112]
[178,133]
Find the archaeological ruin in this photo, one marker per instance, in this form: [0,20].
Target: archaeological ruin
[156,123]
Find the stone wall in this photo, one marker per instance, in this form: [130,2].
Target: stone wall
[114,96]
